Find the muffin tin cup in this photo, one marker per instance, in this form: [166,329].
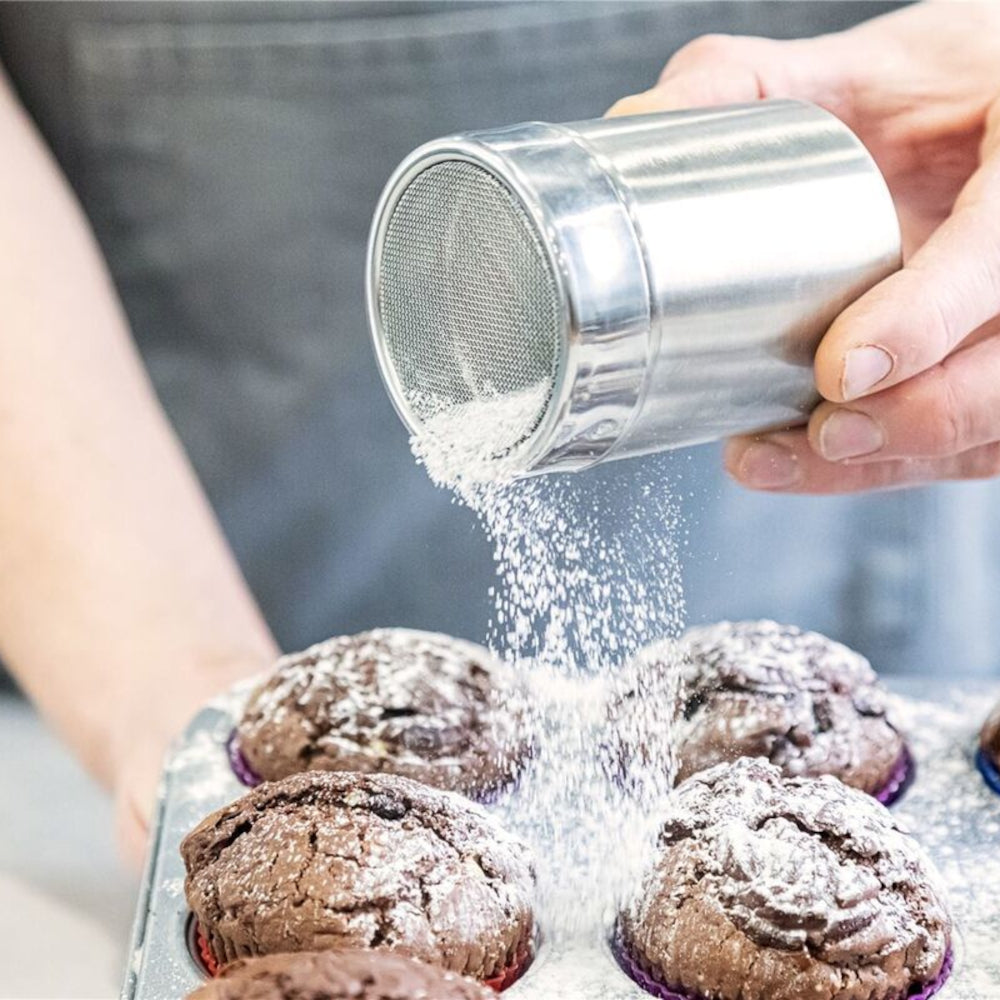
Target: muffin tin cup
[900,778]
[512,973]
[199,778]
[201,951]
[635,972]
[202,956]
[989,770]
[247,776]
[640,977]
[903,775]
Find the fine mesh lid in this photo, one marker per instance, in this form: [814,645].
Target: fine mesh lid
[468,305]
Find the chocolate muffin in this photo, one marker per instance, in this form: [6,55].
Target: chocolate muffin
[774,888]
[329,860]
[426,706]
[352,974]
[808,704]
[989,750]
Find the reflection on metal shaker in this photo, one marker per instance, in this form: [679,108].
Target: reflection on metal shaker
[645,282]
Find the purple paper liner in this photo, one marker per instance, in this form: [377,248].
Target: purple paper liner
[638,975]
[989,770]
[925,992]
[247,775]
[899,780]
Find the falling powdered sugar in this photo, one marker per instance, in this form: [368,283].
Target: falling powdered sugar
[471,447]
[587,573]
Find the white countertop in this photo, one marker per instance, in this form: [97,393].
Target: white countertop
[66,901]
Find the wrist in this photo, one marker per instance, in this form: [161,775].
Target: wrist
[153,714]
[159,702]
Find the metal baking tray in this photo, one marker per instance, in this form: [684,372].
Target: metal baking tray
[949,808]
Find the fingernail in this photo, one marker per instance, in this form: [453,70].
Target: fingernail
[849,434]
[864,367]
[768,466]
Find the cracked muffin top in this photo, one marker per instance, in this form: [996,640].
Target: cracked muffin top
[810,705]
[773,888]
[426,706]
[326,859]
[989,738]
[352,974]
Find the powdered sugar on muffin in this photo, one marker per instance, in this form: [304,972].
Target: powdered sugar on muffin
[427,706]
[332,860]
[759,689]
[769,888]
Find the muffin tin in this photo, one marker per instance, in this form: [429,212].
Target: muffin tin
[949,808]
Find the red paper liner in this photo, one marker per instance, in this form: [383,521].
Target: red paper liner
[201,952]
[207,958]
[512,973]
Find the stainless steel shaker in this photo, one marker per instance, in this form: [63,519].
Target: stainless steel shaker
[649,282]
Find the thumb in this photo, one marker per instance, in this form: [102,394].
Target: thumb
[916,317]
[734,69]
[131,830]
[137,799]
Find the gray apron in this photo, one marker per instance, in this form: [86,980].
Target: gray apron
[229,157]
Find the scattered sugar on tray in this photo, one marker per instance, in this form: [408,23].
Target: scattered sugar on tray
[173,887]
[207,777]
[415,692]
[957,818]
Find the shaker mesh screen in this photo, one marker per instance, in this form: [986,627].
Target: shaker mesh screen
[468,303]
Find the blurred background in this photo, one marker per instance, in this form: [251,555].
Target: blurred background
[229,156]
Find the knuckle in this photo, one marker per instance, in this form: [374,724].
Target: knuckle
[703,51]
[938,311]
[991,136]
[982,462]
[633,104]
[947,429]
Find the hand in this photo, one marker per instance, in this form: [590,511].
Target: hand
[135,794]
[910,373]
[153,718]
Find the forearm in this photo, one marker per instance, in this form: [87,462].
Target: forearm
[116,585]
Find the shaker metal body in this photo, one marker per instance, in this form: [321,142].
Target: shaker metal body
[696,259]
